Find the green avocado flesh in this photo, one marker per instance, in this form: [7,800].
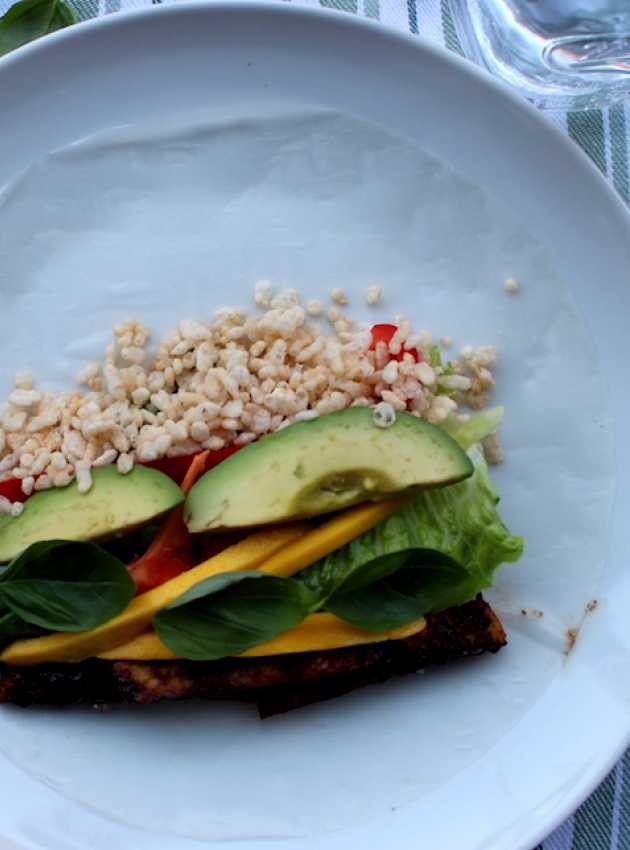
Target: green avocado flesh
[115,503]
[320,466]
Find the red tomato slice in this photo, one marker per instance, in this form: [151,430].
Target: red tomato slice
[384,333]
[170,553]
[177,467]
[11,489]
[150,571]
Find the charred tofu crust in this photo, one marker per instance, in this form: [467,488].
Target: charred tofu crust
[277,684]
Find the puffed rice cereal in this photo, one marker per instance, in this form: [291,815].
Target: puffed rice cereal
[211,384]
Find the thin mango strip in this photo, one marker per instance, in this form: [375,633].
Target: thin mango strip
[318,632]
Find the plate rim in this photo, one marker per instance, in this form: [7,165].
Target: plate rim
[344,19]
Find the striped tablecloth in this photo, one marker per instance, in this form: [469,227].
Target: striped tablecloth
[603,821]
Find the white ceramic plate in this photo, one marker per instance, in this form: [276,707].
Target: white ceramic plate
[156,165]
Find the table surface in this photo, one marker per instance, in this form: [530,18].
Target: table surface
[603,821]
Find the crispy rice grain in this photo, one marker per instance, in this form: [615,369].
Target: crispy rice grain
[210,384]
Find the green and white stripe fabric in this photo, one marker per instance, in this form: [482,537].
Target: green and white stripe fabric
[602,133]
[603,821]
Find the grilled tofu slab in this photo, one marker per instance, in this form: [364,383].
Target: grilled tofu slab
[276,683]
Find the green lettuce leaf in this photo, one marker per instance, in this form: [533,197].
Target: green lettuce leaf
[478,427]
[439,550]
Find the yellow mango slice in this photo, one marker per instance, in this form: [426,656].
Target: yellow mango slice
[317,632]
[329,536]
[247,554]
[277,550]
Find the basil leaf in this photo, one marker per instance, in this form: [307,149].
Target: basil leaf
[13,627]
[231,612]
[65,586]
[372,571]
[29,19]
[424,581]
[365,560]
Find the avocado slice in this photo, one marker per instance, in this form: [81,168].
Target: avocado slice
[323,465]
[115,503]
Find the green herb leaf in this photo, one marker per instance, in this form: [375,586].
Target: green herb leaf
[435,356]
[29,19]
[423,581]
[231,612]
[13,627]
[447,371]
[65,586]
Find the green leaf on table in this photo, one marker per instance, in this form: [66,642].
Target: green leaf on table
[30,19]
[59,585]
[231,612]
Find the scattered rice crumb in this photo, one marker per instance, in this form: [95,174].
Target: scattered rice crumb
[373,294]
[24,398]
[314,307]
[28,484]
[16,508]
[426,374]
[263,292]
[83,476]
[339,296]
[492,449]
[384,415]
[124,464]
[88,373]
[23,380]
[511,286]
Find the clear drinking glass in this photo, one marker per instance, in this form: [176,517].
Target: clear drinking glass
[564,54]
